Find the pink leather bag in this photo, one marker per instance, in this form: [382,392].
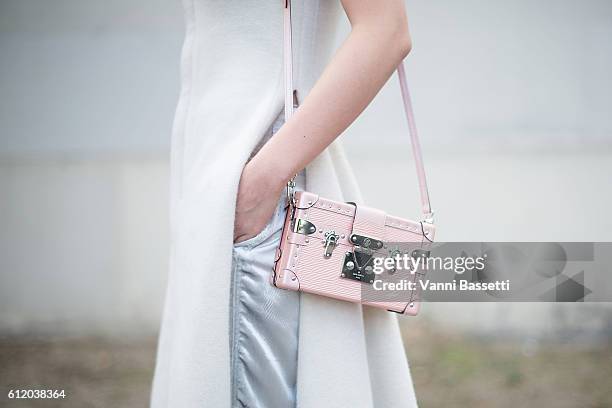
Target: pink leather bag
[328,247]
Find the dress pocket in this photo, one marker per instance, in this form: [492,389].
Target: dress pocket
[255,240]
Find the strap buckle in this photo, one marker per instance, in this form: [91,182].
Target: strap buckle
[290,191]
[296,102]
[429,217]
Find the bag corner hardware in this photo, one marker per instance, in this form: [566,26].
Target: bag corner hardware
[302,226]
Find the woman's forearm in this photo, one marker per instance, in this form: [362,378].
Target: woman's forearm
[378,41]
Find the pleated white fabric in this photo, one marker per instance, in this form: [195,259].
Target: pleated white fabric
[231,92]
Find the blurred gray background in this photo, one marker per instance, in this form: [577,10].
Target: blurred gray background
[513,101]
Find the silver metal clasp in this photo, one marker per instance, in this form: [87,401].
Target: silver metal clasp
[331,241]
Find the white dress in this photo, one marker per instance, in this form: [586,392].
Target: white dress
[231,92]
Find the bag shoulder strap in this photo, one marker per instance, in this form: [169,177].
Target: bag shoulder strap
[412,130]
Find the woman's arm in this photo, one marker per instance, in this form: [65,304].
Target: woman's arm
[378,41]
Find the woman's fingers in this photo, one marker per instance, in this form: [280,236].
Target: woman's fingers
[255,204]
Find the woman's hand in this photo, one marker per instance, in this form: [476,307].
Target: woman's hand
[258,195]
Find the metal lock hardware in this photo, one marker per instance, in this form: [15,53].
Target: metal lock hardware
[357,266]
[366,242]
[331,241]
[420,253]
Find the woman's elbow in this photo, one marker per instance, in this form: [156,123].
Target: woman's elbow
[388,29]
[383,22]
[402,42]
[404,45]
[395,35]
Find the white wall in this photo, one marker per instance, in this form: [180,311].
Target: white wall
[80,77]
[86,77]
[83,245]
[504,74]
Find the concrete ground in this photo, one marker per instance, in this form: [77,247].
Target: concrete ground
[448,368]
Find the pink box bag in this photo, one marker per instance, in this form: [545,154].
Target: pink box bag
[328,247]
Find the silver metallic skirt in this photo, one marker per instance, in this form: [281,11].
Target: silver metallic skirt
[264,321]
